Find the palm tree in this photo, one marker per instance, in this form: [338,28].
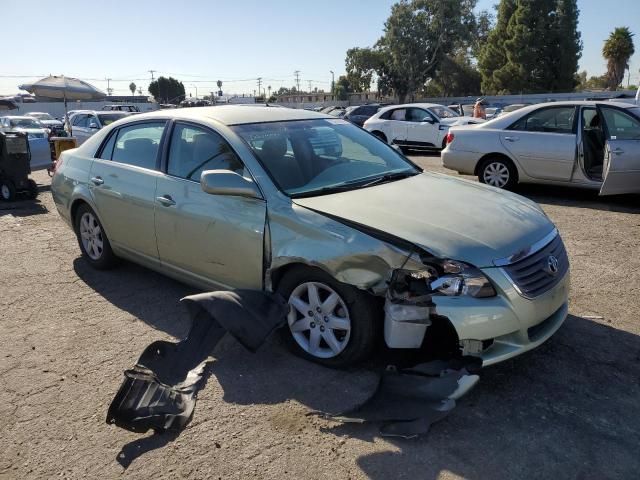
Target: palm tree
[617,50]
[132,87]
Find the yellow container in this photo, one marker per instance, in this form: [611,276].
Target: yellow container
[60,144]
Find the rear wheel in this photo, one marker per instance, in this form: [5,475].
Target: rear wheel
[498,172]
[329,322]
[7,190]
[92,238]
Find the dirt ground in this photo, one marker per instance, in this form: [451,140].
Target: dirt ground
[570,409]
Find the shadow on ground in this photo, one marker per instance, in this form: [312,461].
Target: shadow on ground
[23,208]
[580,198]
[566,410]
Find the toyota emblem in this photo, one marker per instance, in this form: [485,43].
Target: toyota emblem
[552,265]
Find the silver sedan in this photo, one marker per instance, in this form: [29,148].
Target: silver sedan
[586,144]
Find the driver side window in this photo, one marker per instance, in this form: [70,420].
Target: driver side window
[418,115]
[194,150]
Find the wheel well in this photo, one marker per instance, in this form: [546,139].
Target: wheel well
[278,274]
[489,156]
[379,134]
[74,208]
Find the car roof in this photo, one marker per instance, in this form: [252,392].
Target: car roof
[237,114]
[22,117]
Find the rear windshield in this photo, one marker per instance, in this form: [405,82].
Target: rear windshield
[109,118]
[24,123]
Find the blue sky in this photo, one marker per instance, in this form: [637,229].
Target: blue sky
[200,41]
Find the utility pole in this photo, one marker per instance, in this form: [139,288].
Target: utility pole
[333,81]
[152,72]
[109,89]
[310,86]
[213,99]
[259,84]
[297,75]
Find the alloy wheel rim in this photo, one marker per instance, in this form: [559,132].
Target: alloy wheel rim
[5,192]
[91,236]
[319,320]
[496,174]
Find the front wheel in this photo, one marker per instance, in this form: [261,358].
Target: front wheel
[498,172]
[92,238]
[7,190]
[329,322]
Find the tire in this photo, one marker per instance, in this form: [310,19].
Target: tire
[355,315]
[33,189]
[92,238]
[380,135]
[498,172]
[7,190]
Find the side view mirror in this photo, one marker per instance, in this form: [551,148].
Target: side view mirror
[428,120]
[226,182]
[94,126]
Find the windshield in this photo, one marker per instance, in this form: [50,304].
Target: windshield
[42,116]
[315,157]
[109,118]
[444,112]
[24,123]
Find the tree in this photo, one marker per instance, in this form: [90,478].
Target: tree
[534,47]
[167,90]
[456,76]
[343,88]
[132,87]
[418,35]
[617,50]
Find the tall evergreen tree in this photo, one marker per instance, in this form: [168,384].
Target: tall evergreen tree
[534,47]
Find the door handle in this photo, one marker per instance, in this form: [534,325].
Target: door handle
[166,200]
[97,180]
[617,151]
[511,139]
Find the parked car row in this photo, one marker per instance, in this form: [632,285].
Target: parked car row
[361,242]
[37,135]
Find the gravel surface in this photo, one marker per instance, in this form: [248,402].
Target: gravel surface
[569,409]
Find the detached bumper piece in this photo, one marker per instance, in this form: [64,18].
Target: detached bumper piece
[160,391]
[408,401]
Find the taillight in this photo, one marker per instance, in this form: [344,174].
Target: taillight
[449,137]
[56,165]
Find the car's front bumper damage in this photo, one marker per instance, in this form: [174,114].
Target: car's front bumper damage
[495,329]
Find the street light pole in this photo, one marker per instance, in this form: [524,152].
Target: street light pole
[333,83]
[196,87]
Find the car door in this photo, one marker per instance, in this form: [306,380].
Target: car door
[216,239]
[80,127]
[396,128]
[123,184]
[544,142]
[422,127]
[621,171]
[93,125]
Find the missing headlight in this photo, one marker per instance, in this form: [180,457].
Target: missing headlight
[445,277]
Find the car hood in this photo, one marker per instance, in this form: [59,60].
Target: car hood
[27,130]
[449,217]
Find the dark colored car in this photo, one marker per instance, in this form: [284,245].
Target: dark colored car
[361,114]
[121,108]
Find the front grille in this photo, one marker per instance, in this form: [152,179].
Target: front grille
[532,275]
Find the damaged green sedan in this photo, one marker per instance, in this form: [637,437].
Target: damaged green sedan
[360,240]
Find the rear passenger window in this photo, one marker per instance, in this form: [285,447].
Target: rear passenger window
[547,120]
[194,150]
[138,145]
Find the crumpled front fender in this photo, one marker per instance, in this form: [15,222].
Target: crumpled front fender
[299,235]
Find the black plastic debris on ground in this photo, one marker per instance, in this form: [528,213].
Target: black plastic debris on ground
[408,401]
[160,391]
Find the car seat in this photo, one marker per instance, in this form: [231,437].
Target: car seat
[285,169]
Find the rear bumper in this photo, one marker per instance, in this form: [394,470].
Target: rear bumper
[460,161]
